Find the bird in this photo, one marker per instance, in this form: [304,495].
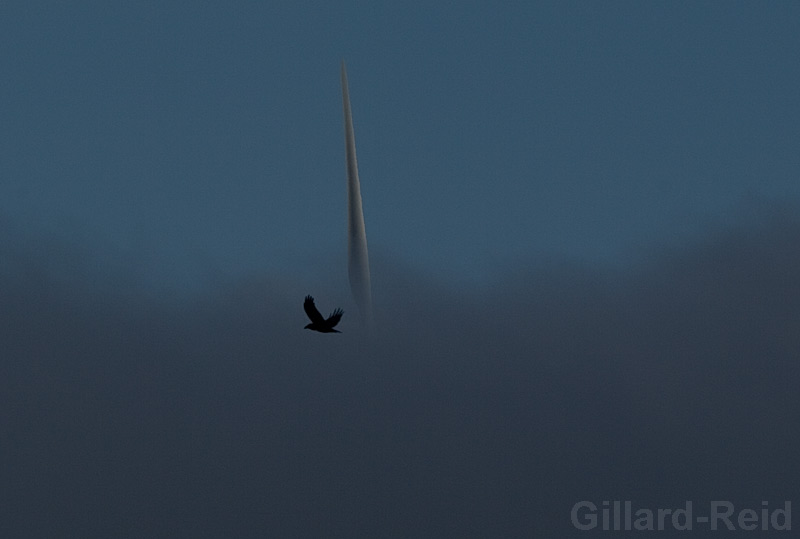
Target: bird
[317,322]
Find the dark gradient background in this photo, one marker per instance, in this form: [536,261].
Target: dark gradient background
[584,226]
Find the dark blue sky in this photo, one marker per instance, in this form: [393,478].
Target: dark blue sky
[207,139]
[583,223]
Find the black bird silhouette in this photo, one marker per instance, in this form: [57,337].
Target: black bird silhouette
[317,322]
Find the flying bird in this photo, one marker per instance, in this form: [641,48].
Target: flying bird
[317,322]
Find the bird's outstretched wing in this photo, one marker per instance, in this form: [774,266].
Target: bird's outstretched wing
[312,312]
[334,318]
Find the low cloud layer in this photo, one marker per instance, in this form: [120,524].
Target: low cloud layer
[131,413]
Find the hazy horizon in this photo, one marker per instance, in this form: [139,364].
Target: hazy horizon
[130,412]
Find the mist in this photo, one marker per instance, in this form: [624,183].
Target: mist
[357,253]
[484,412]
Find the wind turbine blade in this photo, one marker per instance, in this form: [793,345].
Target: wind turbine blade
[357,256]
